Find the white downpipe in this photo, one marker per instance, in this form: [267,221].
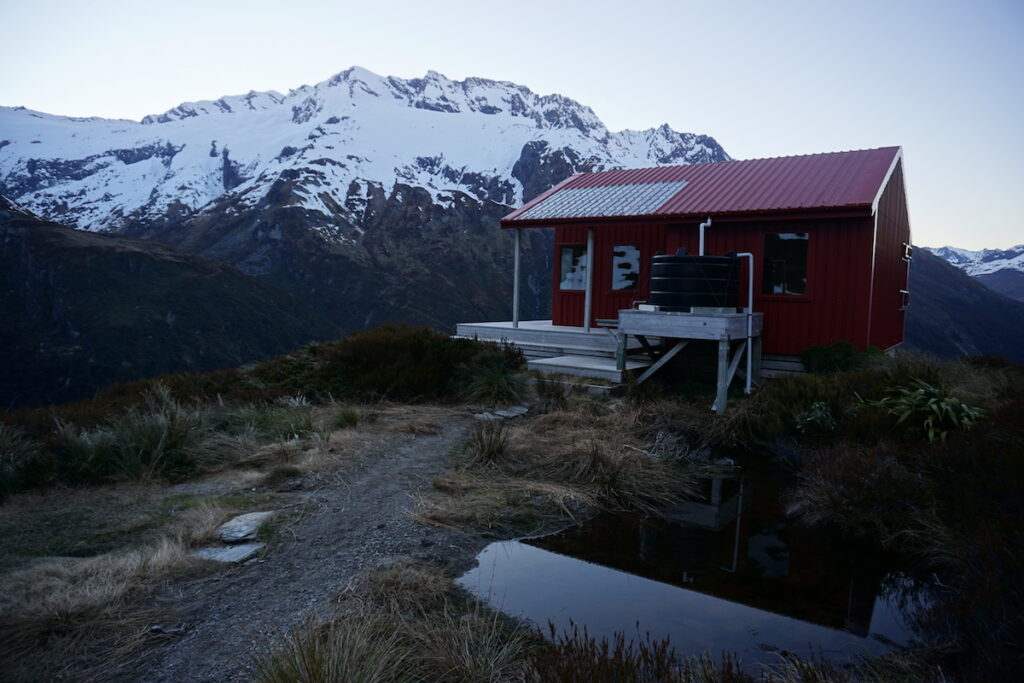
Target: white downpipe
[750,317]
[515,282]
[705,224]
[588,297]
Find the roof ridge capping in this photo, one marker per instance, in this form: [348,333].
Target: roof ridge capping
[850,179]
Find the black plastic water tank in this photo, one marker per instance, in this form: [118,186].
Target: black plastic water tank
[682,281]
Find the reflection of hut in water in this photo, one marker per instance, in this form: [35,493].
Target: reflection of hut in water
[738,547]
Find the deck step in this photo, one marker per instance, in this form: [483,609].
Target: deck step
[553,336]
[539,350]
[585,366]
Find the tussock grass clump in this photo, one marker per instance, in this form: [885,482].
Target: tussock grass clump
[405,587]
[362,648]
[345,418]
[492,380]
[526,475]
[576,655]
[550,393]
[401,622]
[488,444]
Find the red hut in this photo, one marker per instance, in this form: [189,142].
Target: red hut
[828,239]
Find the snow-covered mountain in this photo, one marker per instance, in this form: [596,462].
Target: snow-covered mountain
[982,262]
[1000,269]
[338,137]
[373,198]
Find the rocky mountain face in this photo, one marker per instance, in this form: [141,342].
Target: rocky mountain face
[81,310]
[952,314]
[372,198]
[999,269]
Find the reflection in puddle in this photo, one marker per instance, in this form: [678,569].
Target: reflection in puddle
[705,581]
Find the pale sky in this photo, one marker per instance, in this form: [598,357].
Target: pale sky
[943,79]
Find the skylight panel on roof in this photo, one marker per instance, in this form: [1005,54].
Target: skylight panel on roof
[610,200]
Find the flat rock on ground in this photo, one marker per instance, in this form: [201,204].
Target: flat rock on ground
[347,526]
[229,553]
[243,527]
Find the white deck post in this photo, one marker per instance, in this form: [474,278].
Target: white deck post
[515,282]
[588,297]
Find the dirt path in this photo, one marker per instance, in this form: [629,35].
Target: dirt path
[345,528]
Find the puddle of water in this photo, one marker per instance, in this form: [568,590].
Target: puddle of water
[708,588]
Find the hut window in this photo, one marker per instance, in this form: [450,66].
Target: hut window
[625,267]
[785,263]
[573,273]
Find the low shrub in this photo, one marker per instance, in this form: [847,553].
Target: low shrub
[403,362]
[841,356]
[491,381]
[346,418]
[17,452]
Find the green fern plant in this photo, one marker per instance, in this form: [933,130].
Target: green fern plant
[928,408]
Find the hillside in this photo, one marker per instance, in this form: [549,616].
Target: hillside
[372,198]
[82,310]
[952,314]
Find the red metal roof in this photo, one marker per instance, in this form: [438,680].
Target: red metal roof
[837,180]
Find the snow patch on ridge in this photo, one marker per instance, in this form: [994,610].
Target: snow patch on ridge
[353,129]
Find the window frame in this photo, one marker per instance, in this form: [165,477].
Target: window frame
[637,286]
[561,249]
[785,296]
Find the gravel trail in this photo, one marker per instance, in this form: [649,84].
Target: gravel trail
[344,528]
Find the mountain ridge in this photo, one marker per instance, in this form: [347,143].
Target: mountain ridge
[1000,269]
[374,199]
[83,310]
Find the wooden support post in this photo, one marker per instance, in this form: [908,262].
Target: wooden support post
[620,351]
[515,282]
[661,361]
[723,376]
[589,296]
[756,372]
[648,349]
[716,491]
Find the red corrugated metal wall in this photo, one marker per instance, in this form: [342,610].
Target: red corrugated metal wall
[567,306]
[891,270]
[836,305]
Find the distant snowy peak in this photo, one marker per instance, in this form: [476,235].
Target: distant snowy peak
[323,148]
[433,92]
[983,262]
[253,101]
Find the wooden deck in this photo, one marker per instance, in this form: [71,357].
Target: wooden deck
[611,354]
[558,349]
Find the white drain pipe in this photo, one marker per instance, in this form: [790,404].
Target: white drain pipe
[750,316]
[705,224]
[588,297]
[515,282]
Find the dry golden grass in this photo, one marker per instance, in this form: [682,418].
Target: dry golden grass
[54,609]
[401,622]
[405,587]
[520,476]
